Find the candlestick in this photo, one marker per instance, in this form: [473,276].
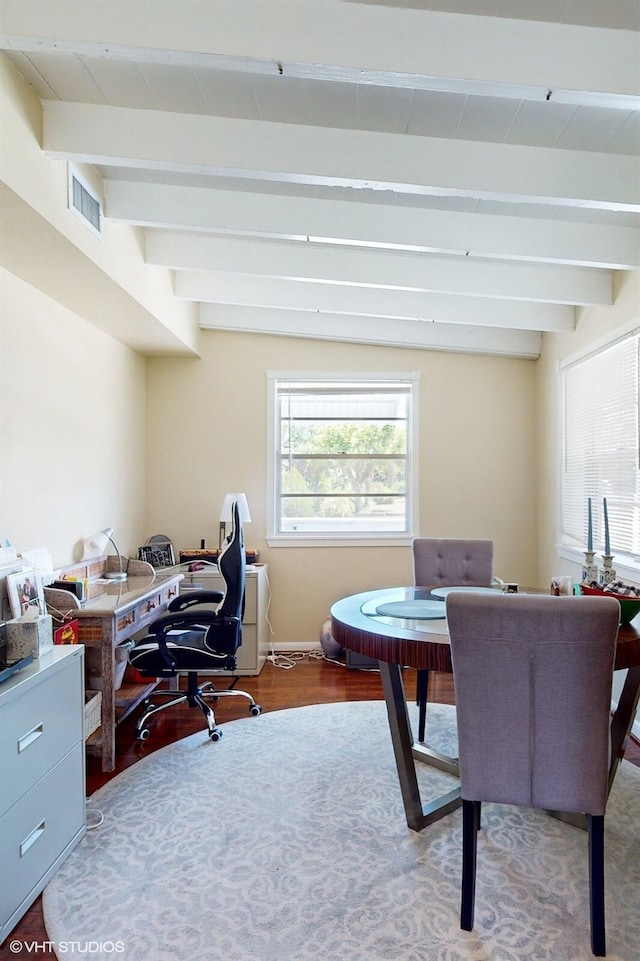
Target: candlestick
[589,526]
[607,572]
[589,568]
[607,545]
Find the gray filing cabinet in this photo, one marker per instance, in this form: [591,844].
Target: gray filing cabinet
[255,629]
[42,788]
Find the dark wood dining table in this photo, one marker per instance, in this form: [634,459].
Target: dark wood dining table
[397,642]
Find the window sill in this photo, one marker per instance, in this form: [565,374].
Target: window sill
[333,540]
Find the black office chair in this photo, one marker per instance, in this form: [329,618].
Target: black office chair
[188,640]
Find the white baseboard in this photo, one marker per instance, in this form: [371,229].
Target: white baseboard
[289,647]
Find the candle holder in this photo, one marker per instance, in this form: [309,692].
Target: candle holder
[589,568]
[607,572]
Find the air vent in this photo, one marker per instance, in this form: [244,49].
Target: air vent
[84,202]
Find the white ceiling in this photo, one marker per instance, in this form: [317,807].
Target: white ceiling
[455,175]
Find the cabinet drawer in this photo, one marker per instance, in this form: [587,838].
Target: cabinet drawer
[143,613]
[39,729]
[36,830]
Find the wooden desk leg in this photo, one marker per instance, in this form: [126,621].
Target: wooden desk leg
[418,815]
[108,699]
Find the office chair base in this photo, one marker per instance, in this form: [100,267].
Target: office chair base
[194,696]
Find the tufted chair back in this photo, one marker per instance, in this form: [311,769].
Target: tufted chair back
[452,562]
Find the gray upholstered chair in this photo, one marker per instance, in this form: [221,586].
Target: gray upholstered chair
[447,562]
[541,736]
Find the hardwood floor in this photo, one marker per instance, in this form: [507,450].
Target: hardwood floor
[312,681]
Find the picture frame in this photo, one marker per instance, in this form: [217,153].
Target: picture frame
[25,590]
[158,555]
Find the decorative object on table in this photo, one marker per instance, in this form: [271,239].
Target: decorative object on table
[65,631]
[589,568]
[225,513]
[607,543]
[561,586]
[417,609]
[96,545]
[199,556]
[158,551]
[607,573]
[627,595]
[29,636]
[25,592]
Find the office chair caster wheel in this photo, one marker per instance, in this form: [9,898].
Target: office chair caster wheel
[144,734]
[216,734]
[255,710]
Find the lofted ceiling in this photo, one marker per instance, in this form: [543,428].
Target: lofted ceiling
[454,174]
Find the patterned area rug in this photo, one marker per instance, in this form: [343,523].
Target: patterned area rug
[287,841]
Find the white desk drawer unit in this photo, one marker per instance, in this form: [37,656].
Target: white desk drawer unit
[255,631]
[42,791]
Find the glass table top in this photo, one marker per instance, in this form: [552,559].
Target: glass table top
[412,609]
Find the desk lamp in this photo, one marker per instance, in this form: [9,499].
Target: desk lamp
[96,545]
[225,513]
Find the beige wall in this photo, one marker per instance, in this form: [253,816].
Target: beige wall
[207,435]
[72,428]
[592,324]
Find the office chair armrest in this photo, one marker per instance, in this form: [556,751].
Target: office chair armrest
[231,621]
[192,598]
[168,658]
[187,621]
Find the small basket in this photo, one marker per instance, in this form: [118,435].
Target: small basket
[92,712]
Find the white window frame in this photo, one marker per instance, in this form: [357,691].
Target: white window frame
[341,539]
[627,565]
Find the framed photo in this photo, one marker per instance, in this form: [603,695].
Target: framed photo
[158,555]
[25,590]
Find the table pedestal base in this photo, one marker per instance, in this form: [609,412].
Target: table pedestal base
[418,815]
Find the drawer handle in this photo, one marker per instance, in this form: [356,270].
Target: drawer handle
[30,737]
[31,839]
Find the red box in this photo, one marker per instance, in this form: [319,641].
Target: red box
[66,633]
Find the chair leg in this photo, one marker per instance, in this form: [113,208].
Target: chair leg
[596,883]
[422,684]
[209,690]
[470,822]
[142,731]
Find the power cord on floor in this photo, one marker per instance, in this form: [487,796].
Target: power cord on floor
[291,658]
[93,817]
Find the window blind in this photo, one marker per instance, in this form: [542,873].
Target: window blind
[600,447]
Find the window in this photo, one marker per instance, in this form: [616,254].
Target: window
[342,465]
[600,448]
